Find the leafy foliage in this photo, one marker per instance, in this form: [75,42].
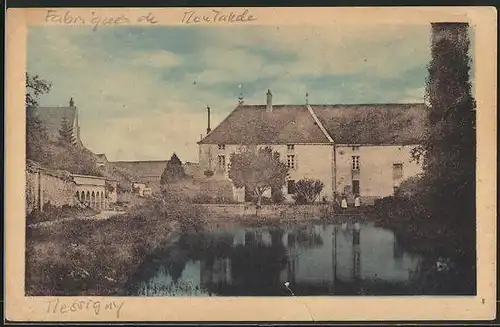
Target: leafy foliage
[258,170]
[36,134]
[135,189]
[449,148]
[174,170]
[307,190]
[40,148]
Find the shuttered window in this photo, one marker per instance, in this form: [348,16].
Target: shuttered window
[397,171]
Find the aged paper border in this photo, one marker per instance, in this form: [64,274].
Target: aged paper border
[480,307]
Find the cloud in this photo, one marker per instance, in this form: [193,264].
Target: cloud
[157,59]
[384,50]
[142,93]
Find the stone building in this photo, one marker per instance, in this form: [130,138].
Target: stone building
[146,172]
[359,149]
[91,191]
[54,118]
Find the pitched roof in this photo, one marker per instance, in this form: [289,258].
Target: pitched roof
[52,118]
[373,123]
[101,157]
[251,124]
[143,168]
[346,124]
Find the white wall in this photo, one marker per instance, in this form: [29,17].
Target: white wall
[311,161]
[376,168]
[89,180]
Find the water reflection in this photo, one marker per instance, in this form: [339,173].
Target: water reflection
[315,258]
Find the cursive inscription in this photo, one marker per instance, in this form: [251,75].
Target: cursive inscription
[217,16]
[95,19]
[58,307]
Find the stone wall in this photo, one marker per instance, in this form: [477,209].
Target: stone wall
[271,211]
[54,187]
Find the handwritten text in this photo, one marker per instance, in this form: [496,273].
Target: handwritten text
[58,307]
[95,19]
[217,16]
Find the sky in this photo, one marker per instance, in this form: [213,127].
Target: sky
[142,92]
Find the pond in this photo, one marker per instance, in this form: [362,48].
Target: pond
[313,258]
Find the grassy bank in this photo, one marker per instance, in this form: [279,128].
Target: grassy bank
[92,257]
[52,213]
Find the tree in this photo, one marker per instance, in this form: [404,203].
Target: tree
[307,191]
[66,135]
[258,170]
[36,134]
[174,170]
[448,150]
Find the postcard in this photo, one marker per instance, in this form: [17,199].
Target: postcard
[251,164]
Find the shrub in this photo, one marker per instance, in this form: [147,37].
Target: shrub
[178,288]
[266,200]
[174,171]
[307,191]
[277,195]
[410,187]
[207,199]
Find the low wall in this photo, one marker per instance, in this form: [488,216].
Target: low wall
[282,211]
[59,188]
[47,186]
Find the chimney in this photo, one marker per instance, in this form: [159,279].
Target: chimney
[71,102]
[208,127]
[269,107]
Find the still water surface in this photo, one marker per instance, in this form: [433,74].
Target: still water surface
[314,258]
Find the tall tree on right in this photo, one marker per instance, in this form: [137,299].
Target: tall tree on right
[449,147]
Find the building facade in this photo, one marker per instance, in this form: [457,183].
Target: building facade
[353,150]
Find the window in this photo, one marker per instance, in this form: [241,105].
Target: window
[355,163]
[355,148]
[397,171]
[222,162]
[290,161]
[222,147]
[355,187]
[290,147]
[291,186]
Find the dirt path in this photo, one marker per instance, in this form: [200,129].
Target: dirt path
[103,215]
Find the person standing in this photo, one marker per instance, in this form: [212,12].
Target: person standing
[357,202]
[344,204]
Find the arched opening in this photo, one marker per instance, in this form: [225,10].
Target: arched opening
[87,199]
[82,197]
[97,200]
[92,201]
[103,201]
[77,195]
